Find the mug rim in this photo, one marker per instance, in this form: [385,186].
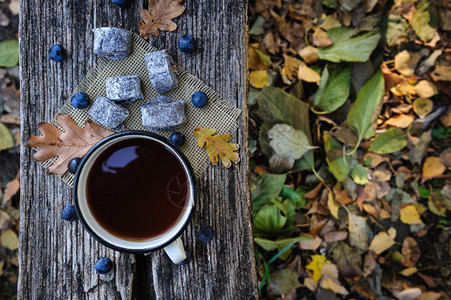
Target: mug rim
[99,144]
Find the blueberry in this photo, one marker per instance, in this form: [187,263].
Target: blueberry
[80,100]
[187,43]
[68,213]
[206,234]
[199,99]
[56,53]
[177,138]
[103,265]
[73,164]
[188,259]
[120,3]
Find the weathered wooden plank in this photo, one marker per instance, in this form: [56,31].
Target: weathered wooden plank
[56,258]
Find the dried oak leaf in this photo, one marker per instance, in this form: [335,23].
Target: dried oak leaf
[75,141]
[159,17]
[217,145]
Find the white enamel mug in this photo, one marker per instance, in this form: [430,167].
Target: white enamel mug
[169,240]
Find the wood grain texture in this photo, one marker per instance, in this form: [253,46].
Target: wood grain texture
[57,257]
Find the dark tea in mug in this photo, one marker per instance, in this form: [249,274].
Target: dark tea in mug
[137,189]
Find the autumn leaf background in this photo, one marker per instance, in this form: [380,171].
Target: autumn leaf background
[349,134]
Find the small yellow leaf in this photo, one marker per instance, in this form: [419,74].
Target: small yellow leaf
[432,167]
[405,62]
[255,62]
[410,215]
[334,286]
[259,79]
[446,119]
[425,89]
[409,271]
[316,265]
[422,107]
[333,206]
[217,146]
[381,242]
[307,74]
[9,239]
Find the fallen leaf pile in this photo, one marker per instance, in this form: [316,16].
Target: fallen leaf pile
[73,142]
[159,17]
[349,134]
[217,146]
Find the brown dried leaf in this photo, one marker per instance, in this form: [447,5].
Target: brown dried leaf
[446,119]
[217,146]
[75,141]
[445,157]
[159,17]
[400,121]
[410,252]
[405,62]
[425,89]
[441,73]
[321,39]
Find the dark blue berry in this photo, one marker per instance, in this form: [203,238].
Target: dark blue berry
[177,138]
[56,53]
[68,213]
[80,100]
[206,234]
[104,265]
[188,259]
[120,3]
[187,43]
[73,164]
[199,99]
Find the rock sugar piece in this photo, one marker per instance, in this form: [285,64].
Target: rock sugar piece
[108,113]
[112,42]
[124,89]
[163,114]
[161,69]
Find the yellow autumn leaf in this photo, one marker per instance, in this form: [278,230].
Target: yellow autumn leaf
[217,146]
[405,62]
[290,67]
[410,215]
[422,107]
[334,286]
[259,79]
[309,54]
[432,167]
[400,121]
[9,239]
[255,62]
[425,89]
[409,271]
[316,265]
[381,242]
[333,206]
[307,74]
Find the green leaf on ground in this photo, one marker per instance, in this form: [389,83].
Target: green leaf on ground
[257,28]
[360,175]
[277,106]
[9,53]
[392,140]
[295,196]
[345,45]
[269,220]
[270,245]
[287,141]
[365,110]
[334,158]
[333,90]
[284,281]
[421,21]
[267,187]
[6,139]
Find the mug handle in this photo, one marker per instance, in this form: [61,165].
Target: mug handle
[175,251]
